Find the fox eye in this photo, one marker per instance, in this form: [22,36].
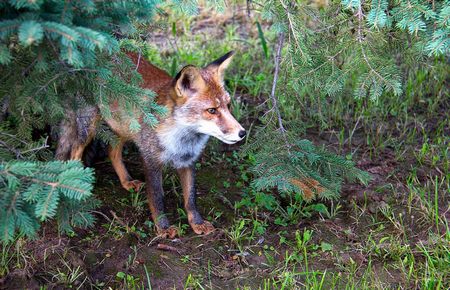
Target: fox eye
[212,111]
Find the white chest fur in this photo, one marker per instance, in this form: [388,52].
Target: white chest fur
[181,145]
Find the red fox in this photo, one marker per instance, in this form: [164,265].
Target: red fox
[197,104]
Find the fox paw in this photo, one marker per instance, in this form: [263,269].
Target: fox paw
[135,185]
[169,233]
[203,229]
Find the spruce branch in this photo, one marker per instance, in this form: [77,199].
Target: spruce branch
[294,31]
[36,191]
[390,84]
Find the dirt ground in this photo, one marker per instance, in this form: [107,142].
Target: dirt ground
[121,240]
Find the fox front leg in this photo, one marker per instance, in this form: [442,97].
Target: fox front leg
[197,223]
[153,179]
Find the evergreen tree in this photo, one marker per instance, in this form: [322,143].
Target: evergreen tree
[295,166]
[57,55]
[364,47]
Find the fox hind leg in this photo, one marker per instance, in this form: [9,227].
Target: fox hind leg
[76,132]
[83,140]
[115,154]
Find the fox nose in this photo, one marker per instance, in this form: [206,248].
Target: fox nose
[242,133]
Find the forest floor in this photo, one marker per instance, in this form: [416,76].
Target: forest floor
[392,233]
[384,235]
[373,235]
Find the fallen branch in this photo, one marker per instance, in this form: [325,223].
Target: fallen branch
[164,247]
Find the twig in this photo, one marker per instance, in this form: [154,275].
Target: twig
[43,146]
[119,220]
[138,61]
[102,214]
[274,85]
[350,137]
[166,265]
[14,137]
[122,223]
[11,149]
[20,154]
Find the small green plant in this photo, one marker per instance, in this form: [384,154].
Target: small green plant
[147,276]
[128,281]
[132,257]
[138,201]
[238,233]
[118,229]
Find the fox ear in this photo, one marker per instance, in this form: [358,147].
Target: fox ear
[188,81]
[219,65]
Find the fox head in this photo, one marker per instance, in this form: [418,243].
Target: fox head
[203,103]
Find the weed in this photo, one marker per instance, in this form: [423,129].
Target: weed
[69,276]
[238,233]
[193,282]
[13,256]
[128,281]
